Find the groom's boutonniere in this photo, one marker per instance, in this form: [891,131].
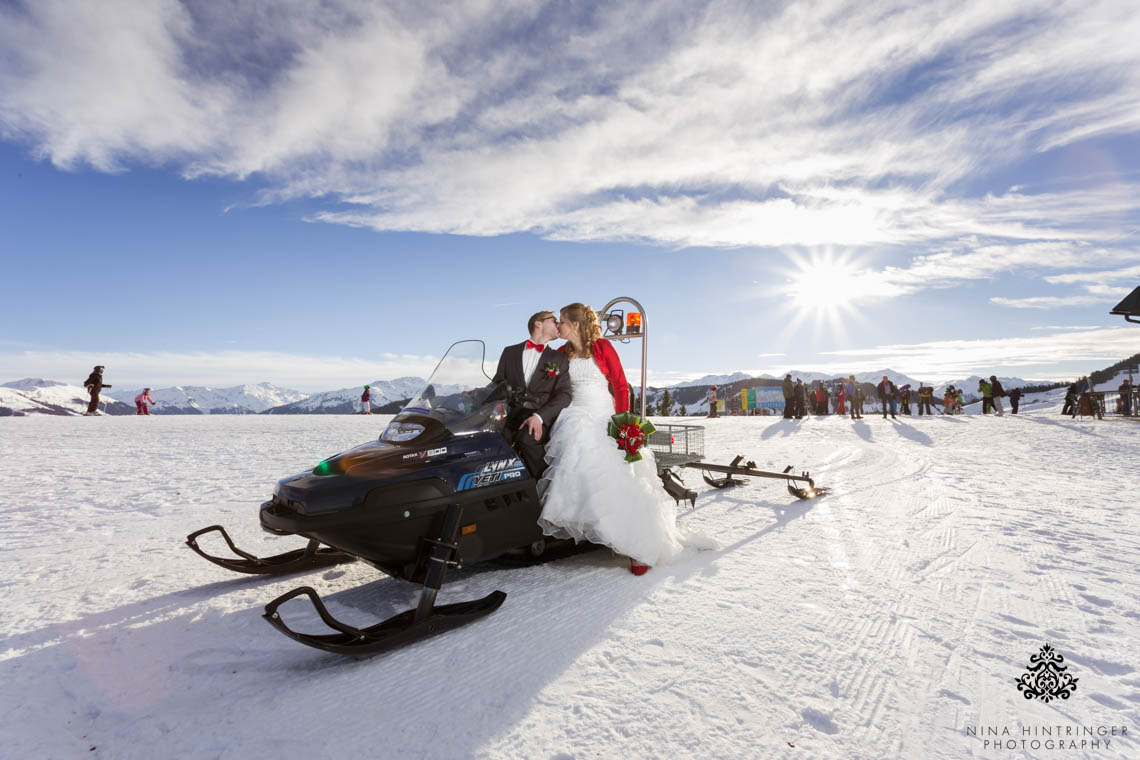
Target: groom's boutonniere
[551,369]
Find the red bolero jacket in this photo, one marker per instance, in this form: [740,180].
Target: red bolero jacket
[610,365]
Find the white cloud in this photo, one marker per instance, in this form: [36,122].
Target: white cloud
[1064,327]
[1048,302]
[947,359]
[721,123]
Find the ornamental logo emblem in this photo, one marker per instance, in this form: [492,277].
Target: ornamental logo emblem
[1046,679]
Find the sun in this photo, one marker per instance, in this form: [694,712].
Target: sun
[824,284]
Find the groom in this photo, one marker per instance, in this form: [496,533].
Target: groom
[539,379]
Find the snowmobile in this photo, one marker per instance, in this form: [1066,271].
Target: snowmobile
[441,487]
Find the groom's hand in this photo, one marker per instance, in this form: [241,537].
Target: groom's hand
[533,425]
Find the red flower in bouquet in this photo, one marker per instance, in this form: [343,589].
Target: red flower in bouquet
[631,433]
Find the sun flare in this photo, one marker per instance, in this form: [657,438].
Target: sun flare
[823,286]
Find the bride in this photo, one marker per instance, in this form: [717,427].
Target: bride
[591,492]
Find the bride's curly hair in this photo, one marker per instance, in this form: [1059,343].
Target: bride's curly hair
[589,329]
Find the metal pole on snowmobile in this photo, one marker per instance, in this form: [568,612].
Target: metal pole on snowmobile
[624,327]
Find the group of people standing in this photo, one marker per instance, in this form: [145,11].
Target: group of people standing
[847,397]
[992,393]
[1081,399]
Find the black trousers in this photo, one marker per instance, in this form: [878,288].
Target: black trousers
[789,408]
[924,402]
[93,405]
[1013,404]
[532,452]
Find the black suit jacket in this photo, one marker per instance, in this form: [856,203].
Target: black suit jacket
[551,394]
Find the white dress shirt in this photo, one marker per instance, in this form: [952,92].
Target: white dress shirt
[530,363]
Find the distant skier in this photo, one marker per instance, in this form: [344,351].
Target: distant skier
[141,402]
[1014,400]
[1071,396]
[987,395]
[996,392]
[94,385]
[854,398]
[366,400]
[887,395]
[925,396]
[799,393]
[789,390]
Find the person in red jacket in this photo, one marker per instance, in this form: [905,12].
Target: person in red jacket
[141,401]
[589,491]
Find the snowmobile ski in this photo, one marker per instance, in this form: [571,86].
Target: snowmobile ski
[408,626]
[309,558]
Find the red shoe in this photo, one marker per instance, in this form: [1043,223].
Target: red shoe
[637,568]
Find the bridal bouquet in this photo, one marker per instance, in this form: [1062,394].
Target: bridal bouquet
[631,433]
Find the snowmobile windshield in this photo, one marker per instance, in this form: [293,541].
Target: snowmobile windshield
[458,398]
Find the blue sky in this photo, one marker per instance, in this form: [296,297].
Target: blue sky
[204,193]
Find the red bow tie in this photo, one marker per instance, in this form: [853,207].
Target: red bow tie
[539,347]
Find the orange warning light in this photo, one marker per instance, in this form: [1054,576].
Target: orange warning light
[633,322]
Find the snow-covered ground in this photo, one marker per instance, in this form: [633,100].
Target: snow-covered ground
[888,619]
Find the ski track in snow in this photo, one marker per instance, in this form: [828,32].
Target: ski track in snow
[878,621]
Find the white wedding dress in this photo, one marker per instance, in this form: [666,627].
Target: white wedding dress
[593,494]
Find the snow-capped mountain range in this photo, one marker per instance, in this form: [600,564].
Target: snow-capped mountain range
[714,380]
[203,399]
[347,400]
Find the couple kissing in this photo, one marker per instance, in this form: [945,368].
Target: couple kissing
[559,422]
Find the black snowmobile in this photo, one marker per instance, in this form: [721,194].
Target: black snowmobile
[442,487]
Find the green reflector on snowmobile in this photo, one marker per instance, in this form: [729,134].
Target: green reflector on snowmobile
[324,468]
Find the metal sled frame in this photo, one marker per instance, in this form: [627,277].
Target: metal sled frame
[749,469]
[309,558]
[408,626]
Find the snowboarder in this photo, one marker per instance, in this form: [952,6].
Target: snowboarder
[366,400]
[141,401]
[1014,400]
[94,385]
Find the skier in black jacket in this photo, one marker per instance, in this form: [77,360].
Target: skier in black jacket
[996,392]
[94,385]
[1014,399]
